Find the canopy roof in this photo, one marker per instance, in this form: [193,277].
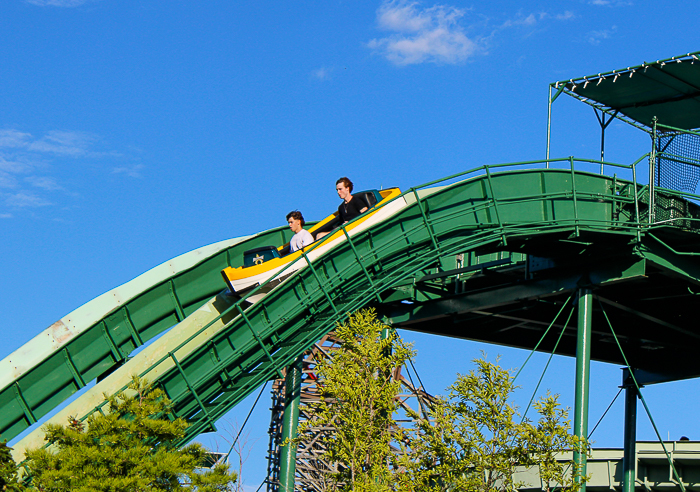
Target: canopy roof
[668,89]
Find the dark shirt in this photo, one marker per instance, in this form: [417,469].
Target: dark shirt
[350,210]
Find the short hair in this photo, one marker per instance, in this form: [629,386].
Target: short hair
[346,182]
[295,214]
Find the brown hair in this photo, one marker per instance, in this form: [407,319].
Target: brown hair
[295,214]
[346,182]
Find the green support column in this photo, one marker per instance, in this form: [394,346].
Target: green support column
[583,367]
[629,458]
[290,420]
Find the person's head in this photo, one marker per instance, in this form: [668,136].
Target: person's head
[295,221]
[344,187]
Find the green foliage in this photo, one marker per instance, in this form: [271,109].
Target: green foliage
[130,448]
[471,440]
[358,399]
[8,470]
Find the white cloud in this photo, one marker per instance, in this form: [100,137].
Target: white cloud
[31,165]
[58,3]
[533,19]
[405,17]
[436,34]
[5,216]
[13,138]
[421,35]
[595,37]
[322,73]
[23,200]
[15,164]
[63,143]
[43,182]
[529,20]
[132,172]
[7,180]
[60,142]
[611,3]
[565,16]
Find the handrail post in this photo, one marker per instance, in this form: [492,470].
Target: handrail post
[360,262]
[320,284]
[428,226]
[652,172]
[636,201]
[495,206]
[549,123]
[190,386]
[260,342]
[573,191]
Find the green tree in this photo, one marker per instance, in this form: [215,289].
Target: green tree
[472,440]
[8,470]
[129,448]
[358,398]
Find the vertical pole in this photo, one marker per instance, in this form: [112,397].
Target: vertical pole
[602,149]
[549,122]
[290,419]
[629,457]
[652,172]
[583,366]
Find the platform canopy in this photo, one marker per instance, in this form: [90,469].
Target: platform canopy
[666,89]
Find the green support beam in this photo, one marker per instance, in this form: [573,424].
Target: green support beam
[583,373]
[630,438]
[290,420]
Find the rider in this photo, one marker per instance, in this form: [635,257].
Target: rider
[301,237]
[352,206]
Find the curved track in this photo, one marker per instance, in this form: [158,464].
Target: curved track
[99,336]
[223,351]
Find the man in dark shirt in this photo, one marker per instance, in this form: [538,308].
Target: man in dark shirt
[352,206]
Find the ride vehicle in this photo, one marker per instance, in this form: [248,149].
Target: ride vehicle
[262,263]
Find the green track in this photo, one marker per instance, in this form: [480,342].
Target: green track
[105,344]
[489,212]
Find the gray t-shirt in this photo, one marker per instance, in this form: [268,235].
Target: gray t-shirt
[299,240]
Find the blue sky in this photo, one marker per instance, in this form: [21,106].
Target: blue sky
[132,132]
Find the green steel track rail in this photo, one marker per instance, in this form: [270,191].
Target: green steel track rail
[99,337]
[237,347]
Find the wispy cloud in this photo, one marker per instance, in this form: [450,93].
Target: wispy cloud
[31,166]
[611,3]
[596,37]
[322,73]
[43,182]
[24,200]
[565,16]
[16,164]
[57,142]
[535,19]
[7,180]
[438,34]
[131,171]
[419,35]
[58,3]
[64,143]
[523,20]
[13,138]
